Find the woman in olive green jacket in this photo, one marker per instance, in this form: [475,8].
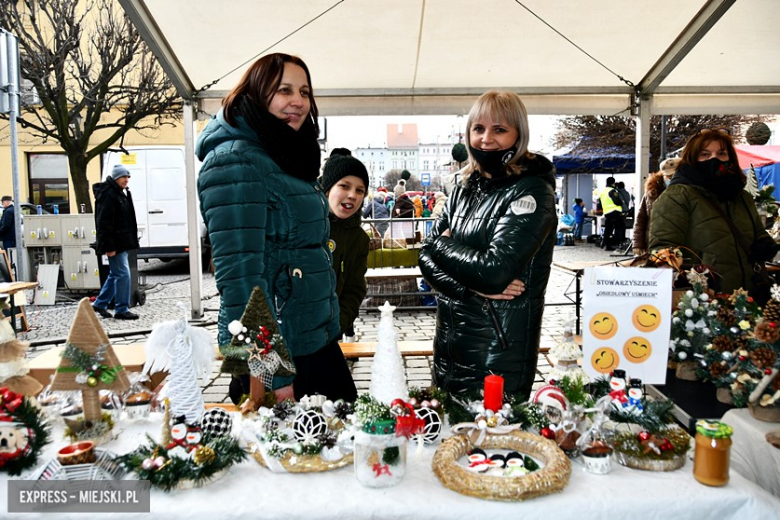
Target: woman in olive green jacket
[707,189]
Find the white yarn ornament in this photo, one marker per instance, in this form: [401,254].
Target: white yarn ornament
[388,378]
[186,353]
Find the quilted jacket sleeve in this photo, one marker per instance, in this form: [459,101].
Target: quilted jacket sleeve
[234,204]
[641,224]
[669,225]
[515,240]
[433,274]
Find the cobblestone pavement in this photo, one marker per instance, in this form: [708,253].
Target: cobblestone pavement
[166,284]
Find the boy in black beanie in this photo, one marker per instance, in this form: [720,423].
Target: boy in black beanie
[345,182]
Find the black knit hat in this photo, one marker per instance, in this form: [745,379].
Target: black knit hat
[339,166]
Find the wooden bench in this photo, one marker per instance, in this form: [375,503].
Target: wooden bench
[368,348]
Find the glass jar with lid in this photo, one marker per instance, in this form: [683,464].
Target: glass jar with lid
[713,451]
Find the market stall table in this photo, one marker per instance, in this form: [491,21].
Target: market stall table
[751,455]
[250,491]
[11,288]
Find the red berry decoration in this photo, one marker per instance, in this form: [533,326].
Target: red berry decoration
[547,433]
[768,371]
[666,446]
[772,324]
[553,382]
[741,358]
[643,436]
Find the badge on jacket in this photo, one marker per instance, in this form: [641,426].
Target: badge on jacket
[332,245]
[524,205]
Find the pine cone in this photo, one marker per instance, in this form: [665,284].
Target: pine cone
[767,331]
[726,317]
[718,369]
[723,344]
[741,343]
[772,311]
[763,357]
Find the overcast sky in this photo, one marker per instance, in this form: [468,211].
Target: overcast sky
[371,131]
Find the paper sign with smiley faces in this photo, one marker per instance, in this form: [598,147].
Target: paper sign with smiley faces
[627,313]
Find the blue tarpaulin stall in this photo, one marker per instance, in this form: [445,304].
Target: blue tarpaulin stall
[765,161]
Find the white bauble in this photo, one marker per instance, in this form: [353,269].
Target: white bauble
[235,327]
[309,425]
[433,425]
[682,356]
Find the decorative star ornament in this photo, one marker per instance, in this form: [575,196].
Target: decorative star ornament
[255,352]
[386,310]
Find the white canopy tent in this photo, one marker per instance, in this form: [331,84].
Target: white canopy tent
[414,57]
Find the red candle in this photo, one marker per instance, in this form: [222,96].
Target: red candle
[494,392]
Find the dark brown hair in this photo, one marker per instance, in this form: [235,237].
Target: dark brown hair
[260,83]
[699,142]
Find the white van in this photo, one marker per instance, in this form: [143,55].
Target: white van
[158,186]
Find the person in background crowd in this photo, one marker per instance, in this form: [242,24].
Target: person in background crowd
[614,226]
[489,254]
[625,197]
[703,202]
[377,210]
[654,186]
[267,220]
[438,206]
[404,207]
[7,224]
[400,187]
[418,206]
[579,217]
[345,181]
[117,233]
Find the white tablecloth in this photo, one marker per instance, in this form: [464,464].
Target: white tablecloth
[250,491]
[751,455]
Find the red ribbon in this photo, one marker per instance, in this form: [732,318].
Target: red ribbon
[407,425]
[381,468]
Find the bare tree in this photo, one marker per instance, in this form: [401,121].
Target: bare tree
[95,78]
[615,134]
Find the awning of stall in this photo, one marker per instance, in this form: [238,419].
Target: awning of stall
[435,56]
[765,161]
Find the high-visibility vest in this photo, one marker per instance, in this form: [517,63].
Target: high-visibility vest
[607,205]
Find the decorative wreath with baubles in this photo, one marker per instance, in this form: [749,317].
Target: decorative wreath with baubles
[301,437]
[189,455]
[23,432]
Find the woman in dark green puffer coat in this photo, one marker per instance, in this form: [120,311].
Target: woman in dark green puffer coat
[489,254]
[267,221]
[685,214]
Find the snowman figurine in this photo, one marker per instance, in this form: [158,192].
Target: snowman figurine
[515,466]
[478,461]
[635,396]
[193,438]
[178,446]
[617,388]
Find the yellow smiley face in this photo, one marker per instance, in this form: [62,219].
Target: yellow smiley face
[646,318]
[605,360]
[637,350]
[603,325]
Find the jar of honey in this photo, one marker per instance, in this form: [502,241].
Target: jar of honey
[713,452]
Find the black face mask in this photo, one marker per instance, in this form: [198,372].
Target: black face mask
[493,161]
[721,178]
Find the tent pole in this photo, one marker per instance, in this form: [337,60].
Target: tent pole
[642,163]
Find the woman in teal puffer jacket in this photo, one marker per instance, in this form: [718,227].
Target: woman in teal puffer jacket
[489,254]
[267,221]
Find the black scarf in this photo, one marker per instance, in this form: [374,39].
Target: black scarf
[297,152]
[725,187]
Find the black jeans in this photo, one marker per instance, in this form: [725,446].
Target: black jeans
[614,229]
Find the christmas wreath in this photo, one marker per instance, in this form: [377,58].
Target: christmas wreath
[155,462]
[23,431]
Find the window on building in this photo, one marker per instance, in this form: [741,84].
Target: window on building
[48,181]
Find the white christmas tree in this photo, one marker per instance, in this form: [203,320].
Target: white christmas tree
[388,379]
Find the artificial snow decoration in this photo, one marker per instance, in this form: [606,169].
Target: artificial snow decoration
[185,352]
[216,422]
[388,380]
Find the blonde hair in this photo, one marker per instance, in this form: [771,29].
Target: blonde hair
[497,106]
